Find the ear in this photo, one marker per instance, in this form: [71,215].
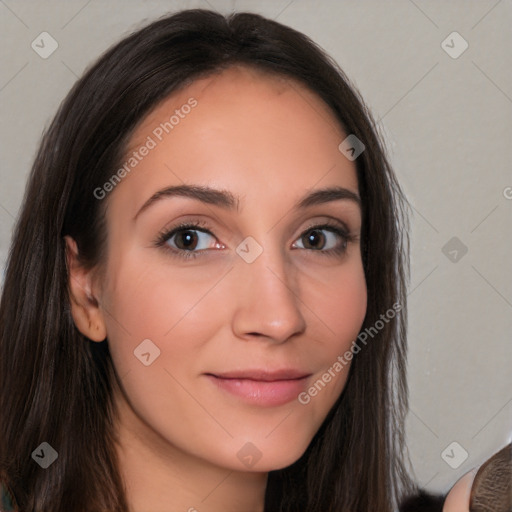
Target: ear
[85,309]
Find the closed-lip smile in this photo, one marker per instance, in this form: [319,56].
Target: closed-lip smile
[262,387]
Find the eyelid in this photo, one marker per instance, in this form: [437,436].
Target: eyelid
[167,233]
[331,222]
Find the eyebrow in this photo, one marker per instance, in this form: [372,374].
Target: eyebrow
[228,201]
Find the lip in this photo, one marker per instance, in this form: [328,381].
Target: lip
[262,387]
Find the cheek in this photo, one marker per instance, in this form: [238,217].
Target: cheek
[339,299]
[345,308]
[148,300]
[160,320]
[340,304]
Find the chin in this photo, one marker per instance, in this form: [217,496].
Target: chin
[262,455]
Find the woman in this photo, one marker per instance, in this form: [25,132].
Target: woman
[204,305]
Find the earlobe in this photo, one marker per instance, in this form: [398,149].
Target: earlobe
[85,309]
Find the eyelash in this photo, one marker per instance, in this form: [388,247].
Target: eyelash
[165,235]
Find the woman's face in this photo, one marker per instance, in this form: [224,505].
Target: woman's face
[216,330]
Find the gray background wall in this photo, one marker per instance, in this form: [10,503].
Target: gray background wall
[447,122]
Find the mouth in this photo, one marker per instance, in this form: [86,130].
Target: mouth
[262,387]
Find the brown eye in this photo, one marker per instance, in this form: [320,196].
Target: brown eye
[315,239]
[186,239]
[326,239]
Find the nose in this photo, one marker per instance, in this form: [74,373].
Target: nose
[267,298]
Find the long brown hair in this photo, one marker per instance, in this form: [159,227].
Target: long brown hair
[56,385]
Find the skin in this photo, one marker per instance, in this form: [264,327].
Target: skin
[268,141]
[459,496]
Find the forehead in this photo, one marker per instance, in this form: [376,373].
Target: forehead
[263,136]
